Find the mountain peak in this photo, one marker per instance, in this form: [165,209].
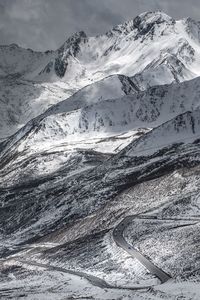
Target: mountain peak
[147,20]
[72,43]
[143,23]
[157,16]
[69,49]
[77,35]
[74,39]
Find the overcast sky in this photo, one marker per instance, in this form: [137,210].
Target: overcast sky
[45,24]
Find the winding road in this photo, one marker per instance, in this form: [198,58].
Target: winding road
[121,242]
[94,280]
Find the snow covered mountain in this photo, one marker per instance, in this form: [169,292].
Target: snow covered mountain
[152,49]
[150,41]
[104,127]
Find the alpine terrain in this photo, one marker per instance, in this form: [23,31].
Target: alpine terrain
[100,165]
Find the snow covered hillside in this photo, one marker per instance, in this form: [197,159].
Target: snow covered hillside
[169,146]
[100,111]
[23,100]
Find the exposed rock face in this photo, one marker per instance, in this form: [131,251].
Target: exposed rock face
[70,48]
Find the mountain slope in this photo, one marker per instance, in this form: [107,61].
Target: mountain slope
[89,114]
[23,100]
[55,197]
[65,114]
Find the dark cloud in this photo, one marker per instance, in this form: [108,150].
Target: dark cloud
[45,24]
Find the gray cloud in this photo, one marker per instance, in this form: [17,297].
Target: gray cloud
[45,24]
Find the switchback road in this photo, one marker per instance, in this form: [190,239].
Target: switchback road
[121,242]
